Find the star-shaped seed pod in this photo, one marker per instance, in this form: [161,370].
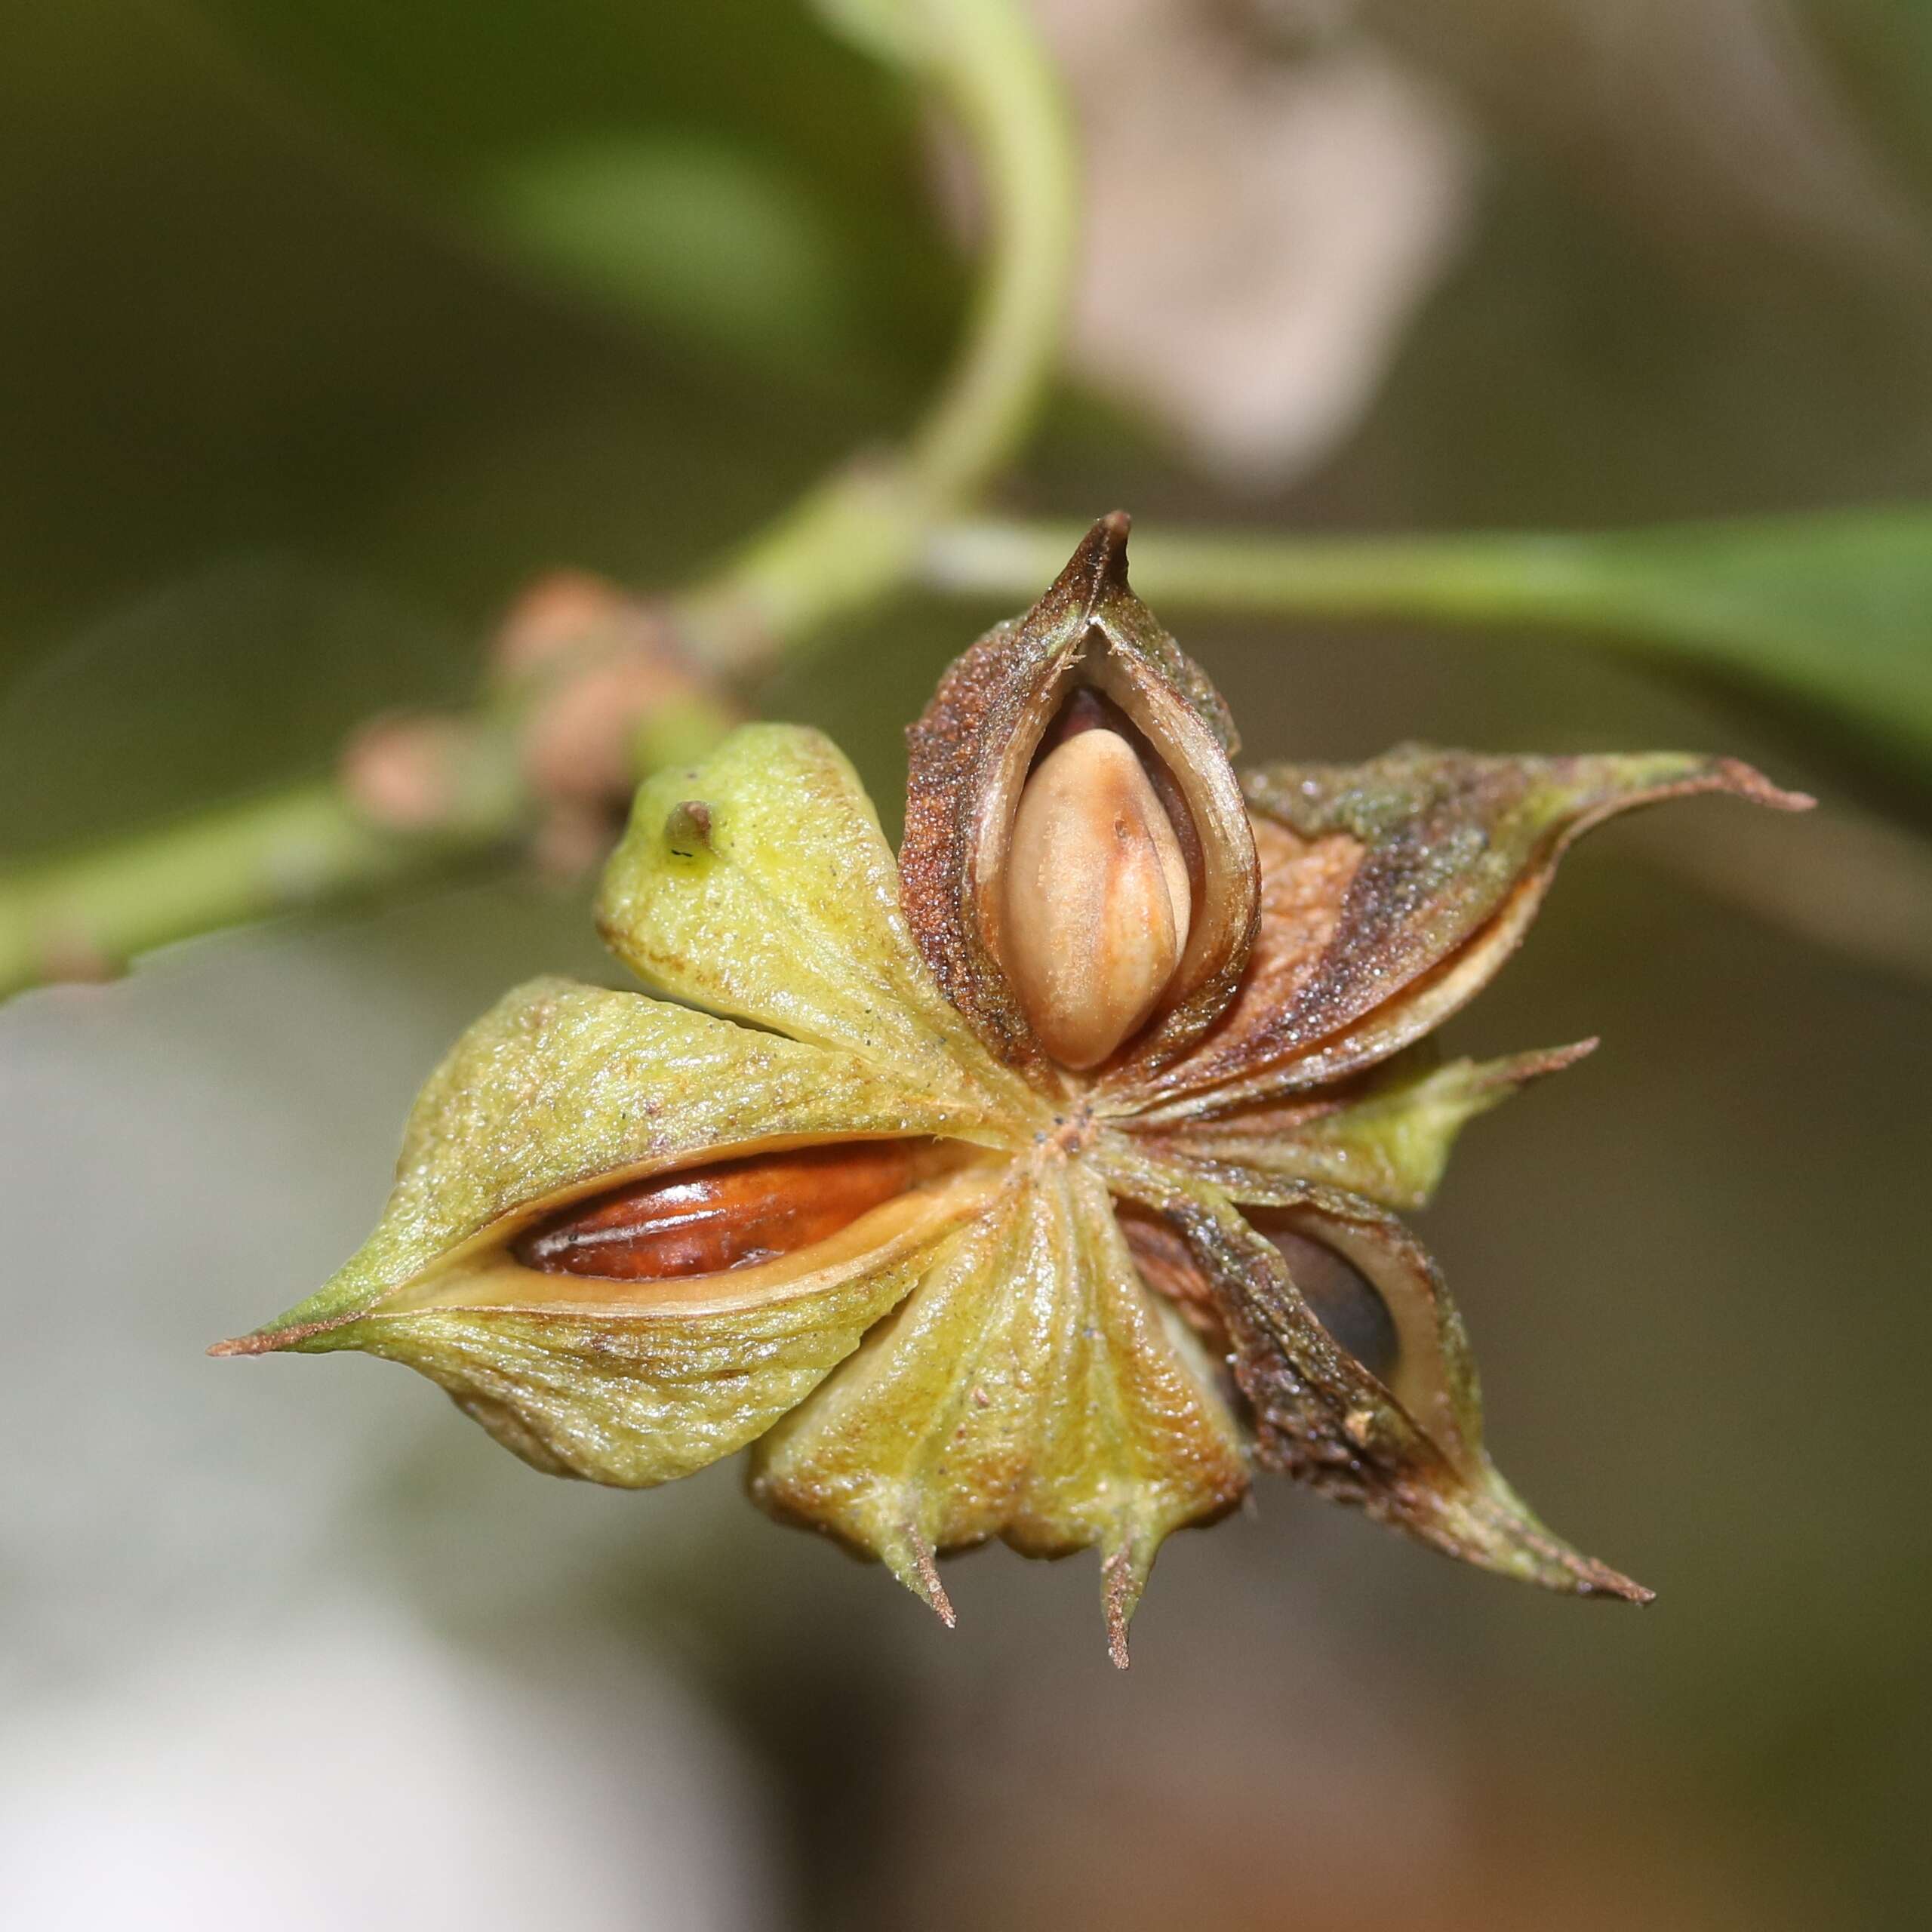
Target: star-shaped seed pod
[1038,1185]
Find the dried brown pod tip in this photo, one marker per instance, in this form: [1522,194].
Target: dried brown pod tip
[1097,898]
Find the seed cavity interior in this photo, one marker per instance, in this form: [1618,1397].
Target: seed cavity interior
[1340,1296]
[1098,901]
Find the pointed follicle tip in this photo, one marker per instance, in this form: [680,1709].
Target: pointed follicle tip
[1108,542]
[1602,1581]
[1099,562]
[1120,1590]
[1749,782]
[932,1589]
[266,1341]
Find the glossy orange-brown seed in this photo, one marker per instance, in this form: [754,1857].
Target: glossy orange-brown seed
[726,1214]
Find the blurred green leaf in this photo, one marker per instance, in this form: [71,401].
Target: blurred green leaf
[1835,611]
[238,678]
[1883,51]
[692,238]
[695,169]
[889,30]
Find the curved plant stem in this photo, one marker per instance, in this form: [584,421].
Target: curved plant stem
[858,537]
[83,917]
[1008,102]
[849,542]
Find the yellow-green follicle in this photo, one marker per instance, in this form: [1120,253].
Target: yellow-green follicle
[1029,1389]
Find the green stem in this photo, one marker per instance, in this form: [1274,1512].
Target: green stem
[858,538]
[85,915]
[1007,99]
[1449,580]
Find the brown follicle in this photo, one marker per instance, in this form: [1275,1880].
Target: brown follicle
[1088,660]
[1097,898]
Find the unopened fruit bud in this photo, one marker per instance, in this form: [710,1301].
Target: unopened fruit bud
[1097,898]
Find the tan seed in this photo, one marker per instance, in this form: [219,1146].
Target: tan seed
[1097,900]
